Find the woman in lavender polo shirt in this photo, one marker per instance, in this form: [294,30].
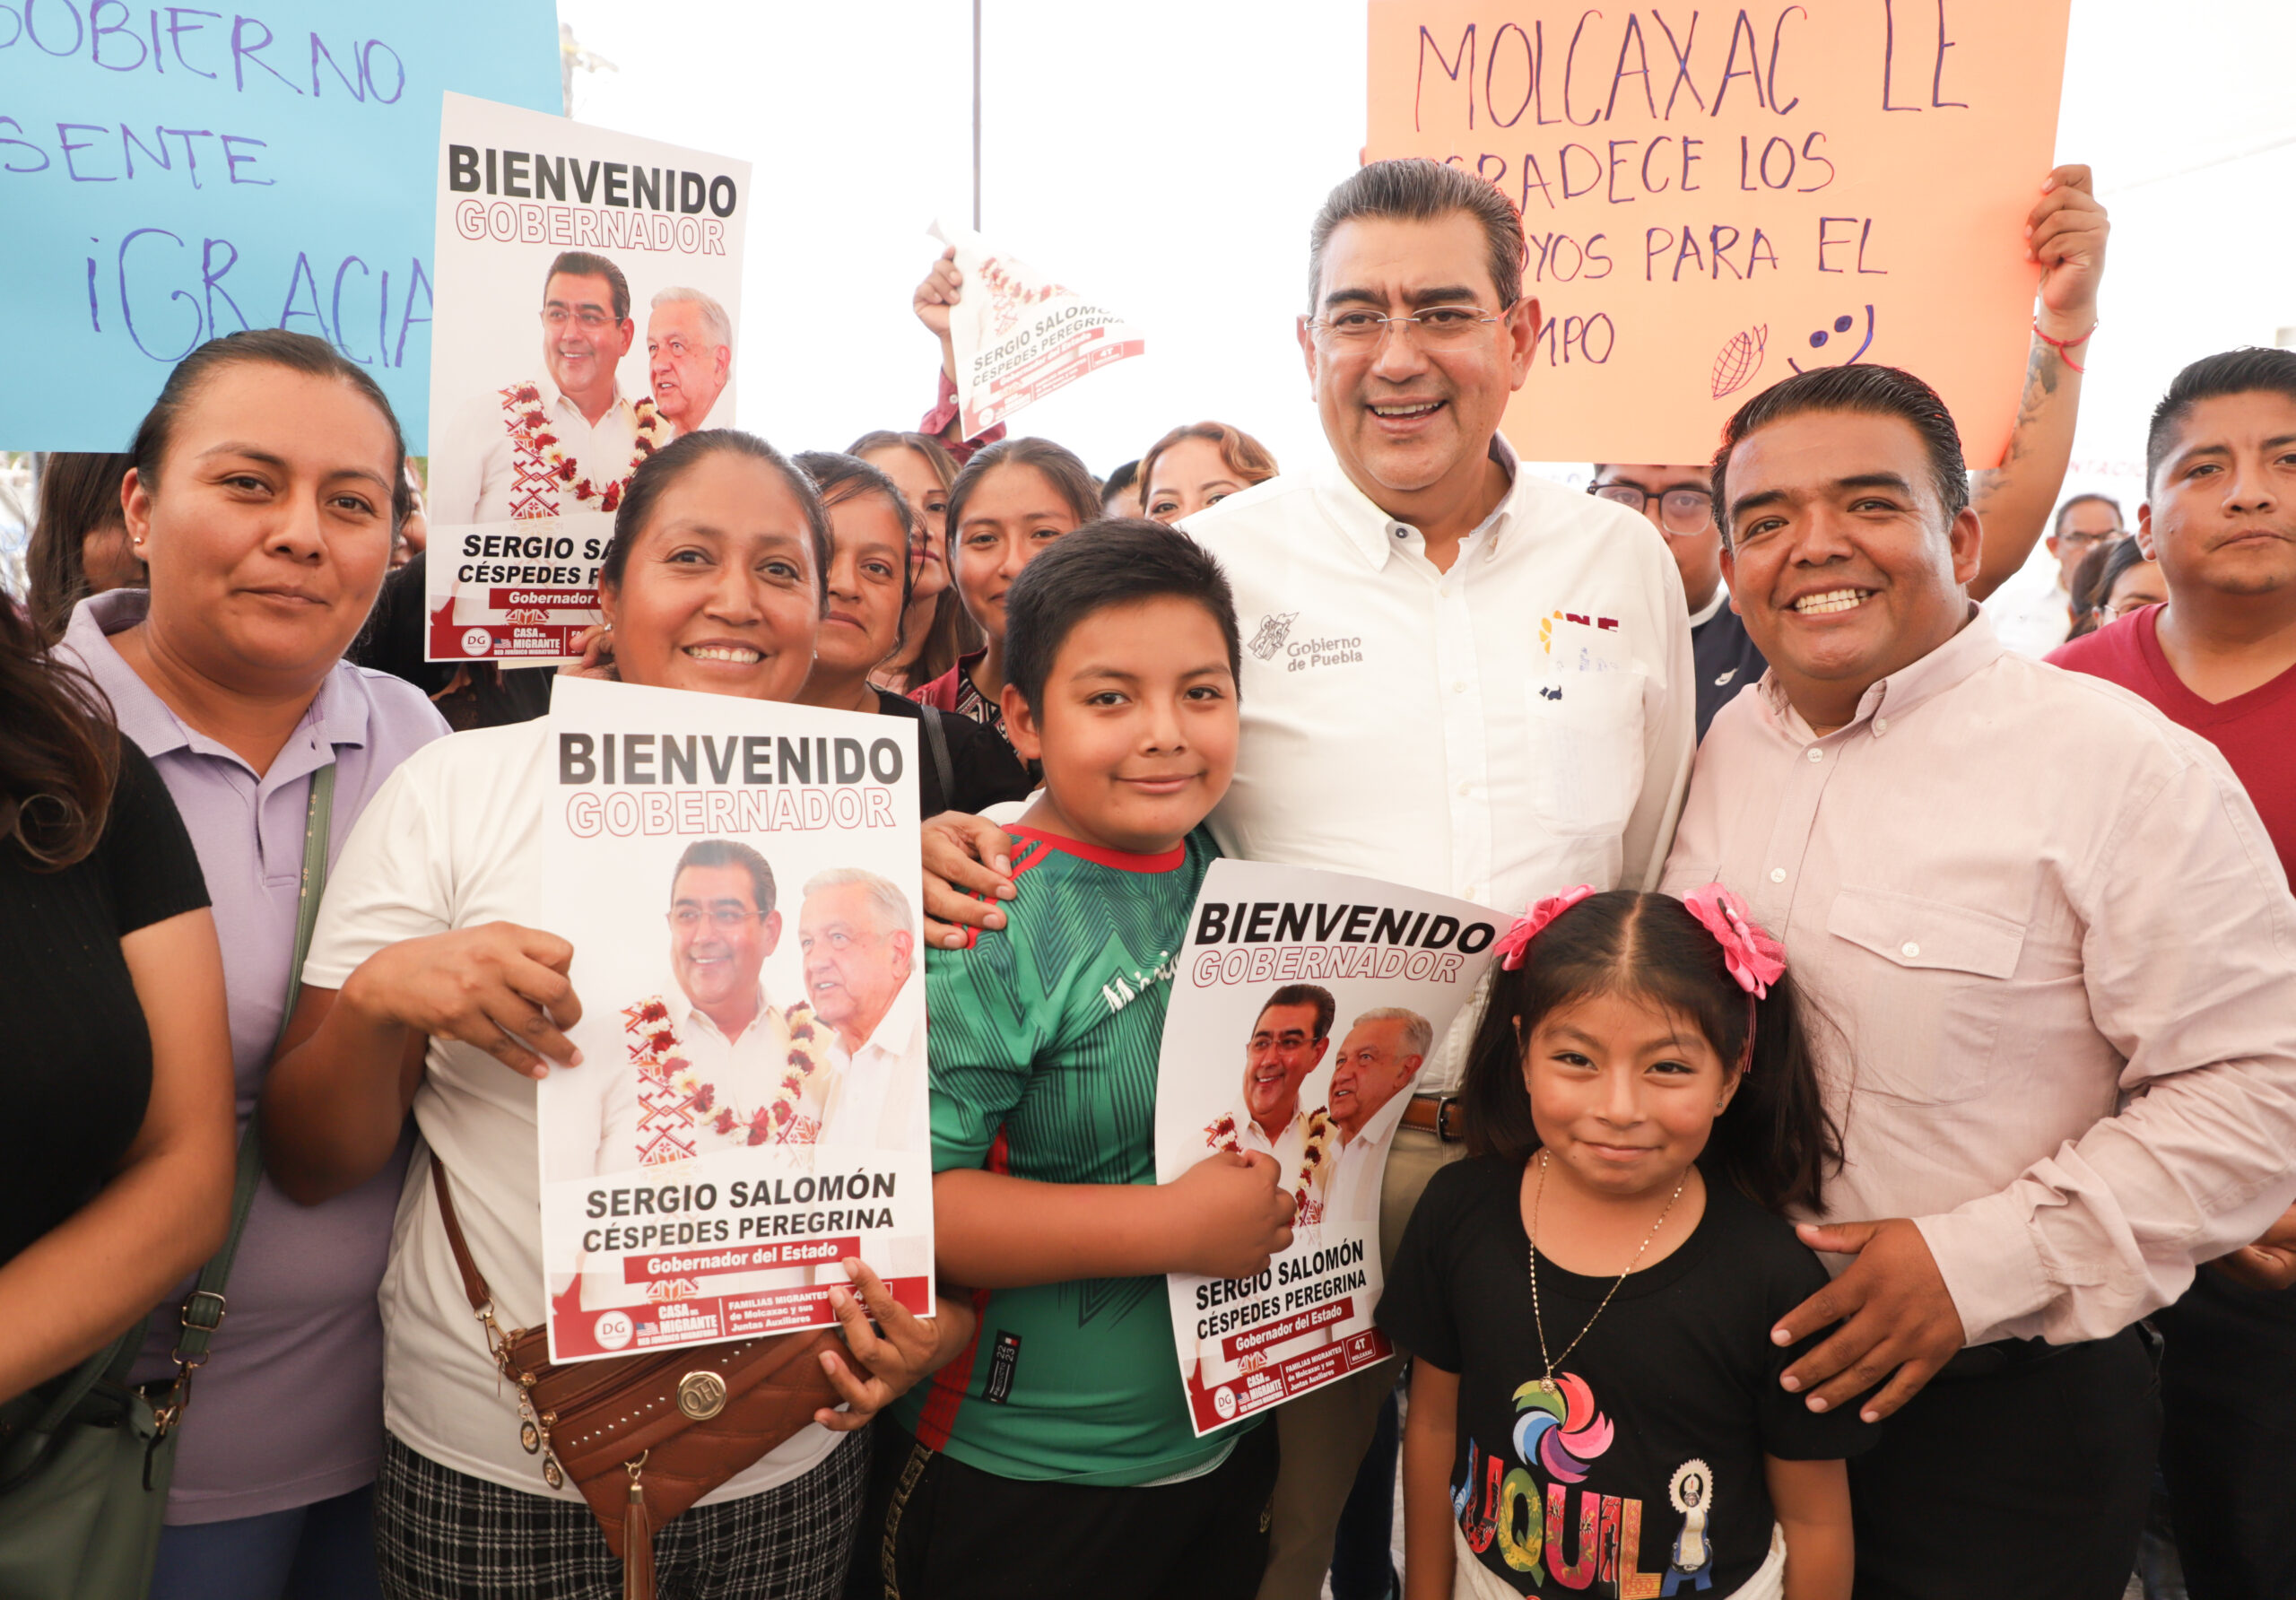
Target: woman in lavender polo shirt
[265,488]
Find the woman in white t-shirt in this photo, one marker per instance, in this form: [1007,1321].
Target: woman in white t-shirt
[428,988]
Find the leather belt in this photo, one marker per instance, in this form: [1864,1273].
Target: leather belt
[1436,1114]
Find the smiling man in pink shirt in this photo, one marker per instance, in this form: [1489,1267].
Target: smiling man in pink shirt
[2059,965]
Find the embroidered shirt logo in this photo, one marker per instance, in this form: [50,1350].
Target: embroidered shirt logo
[1272,628]
[1119,994]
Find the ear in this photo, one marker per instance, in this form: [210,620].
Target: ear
[1307,350]
[2144,541]
[1730,574]
[1730,1081]
[1021,723]
[772,931]
[135,507]
[628,333]
[1523,324]
[1323,1048]
[609,601]
[1967,538]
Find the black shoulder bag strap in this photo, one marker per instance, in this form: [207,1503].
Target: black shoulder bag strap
[937,741]
[202,1312]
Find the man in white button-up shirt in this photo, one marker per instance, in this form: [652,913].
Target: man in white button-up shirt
[563,443]
[1510,658]
[859,949]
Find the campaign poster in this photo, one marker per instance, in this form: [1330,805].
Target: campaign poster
[1020,335]
[739,879]
[1713,202]
[588,309]
[171,174]
[1305,1006]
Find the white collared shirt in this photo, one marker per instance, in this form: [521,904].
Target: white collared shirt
[475,478]
[876,1097]
[744,1072]
[2030,622]
[1519,725]
[1286,1146]
[1352,1193]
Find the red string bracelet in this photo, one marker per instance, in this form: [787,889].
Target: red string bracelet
[2064,347]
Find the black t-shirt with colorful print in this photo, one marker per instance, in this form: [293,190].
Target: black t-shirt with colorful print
[1641,1473]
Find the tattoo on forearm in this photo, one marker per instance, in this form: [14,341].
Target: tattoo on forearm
[2044,371]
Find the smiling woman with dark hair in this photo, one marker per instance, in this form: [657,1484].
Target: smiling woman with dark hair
[430,989]
[961,765]
[262,490]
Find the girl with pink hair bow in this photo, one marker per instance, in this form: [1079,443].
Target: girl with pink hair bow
[1588,1297]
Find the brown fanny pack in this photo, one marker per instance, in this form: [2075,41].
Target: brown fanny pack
[643,1437]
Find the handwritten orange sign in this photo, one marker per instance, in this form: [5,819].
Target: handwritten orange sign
[1715,198]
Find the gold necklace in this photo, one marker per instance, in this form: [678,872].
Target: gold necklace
[1538,1195]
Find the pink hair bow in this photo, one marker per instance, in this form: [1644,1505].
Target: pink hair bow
[1517,939]
[1755,960]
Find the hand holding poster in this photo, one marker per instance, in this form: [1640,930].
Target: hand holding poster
[589,291]
[736,879]
[1336,989]
[1019,335]
[1712,209]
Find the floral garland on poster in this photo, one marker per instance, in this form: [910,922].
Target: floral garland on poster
[671,1091]
[530,433]
[1315,1159]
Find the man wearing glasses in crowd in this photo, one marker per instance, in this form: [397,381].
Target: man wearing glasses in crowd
[717,1025]
[2036,624]
[1680,505]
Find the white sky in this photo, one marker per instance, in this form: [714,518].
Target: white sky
[1166,160]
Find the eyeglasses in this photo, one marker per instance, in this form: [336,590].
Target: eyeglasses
[1437,327]
[1682,511]
[686,919]
[2109,612]
[591,318]
[2080,541]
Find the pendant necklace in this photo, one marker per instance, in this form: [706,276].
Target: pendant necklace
[1539,1194]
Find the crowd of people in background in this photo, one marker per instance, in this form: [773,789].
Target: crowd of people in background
[1904,995]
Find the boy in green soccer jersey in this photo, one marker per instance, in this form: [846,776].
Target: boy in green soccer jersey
[1055,1456]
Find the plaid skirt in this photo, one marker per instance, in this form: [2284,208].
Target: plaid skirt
[441,1535]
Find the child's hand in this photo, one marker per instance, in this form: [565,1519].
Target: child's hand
[1231,1214]
[908,1348]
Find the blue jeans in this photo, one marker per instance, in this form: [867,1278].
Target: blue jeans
[321,1551]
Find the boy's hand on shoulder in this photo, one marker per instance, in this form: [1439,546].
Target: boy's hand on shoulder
[1231,1214]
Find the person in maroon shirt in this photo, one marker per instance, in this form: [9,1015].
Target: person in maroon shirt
[2220,658]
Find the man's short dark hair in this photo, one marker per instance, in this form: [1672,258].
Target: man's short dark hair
[1305,994]
[1123,478]
[2057,524]
[729,852]
[2252,369]
[1121,560]
[584,264]
[1414,189]
[1875,391]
